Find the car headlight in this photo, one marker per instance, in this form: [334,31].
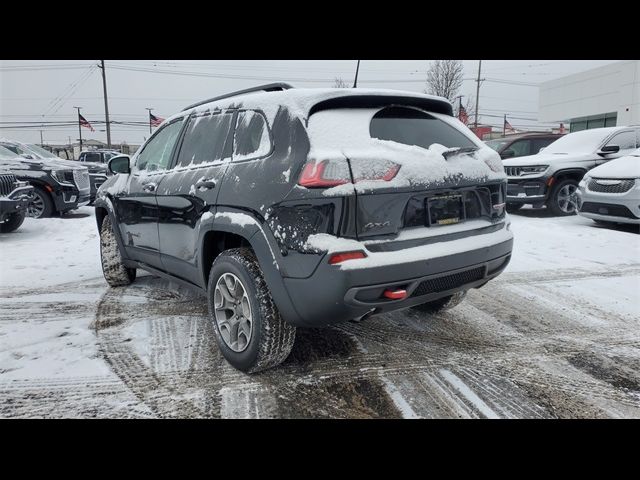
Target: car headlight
[583,182]
[62,177]
[533,169]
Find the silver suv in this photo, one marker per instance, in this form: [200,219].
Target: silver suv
[551,177]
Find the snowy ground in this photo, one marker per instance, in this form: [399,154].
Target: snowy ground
[557,335]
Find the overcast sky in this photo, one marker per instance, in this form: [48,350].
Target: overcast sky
[47,90]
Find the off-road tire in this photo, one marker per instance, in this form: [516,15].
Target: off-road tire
[442,304]
[114,271]
[12,223]
[514,207]
[272,338]
[552,202]
[48,207]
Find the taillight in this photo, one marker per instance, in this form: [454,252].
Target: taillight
[341,257]
[330,173]
[327,173]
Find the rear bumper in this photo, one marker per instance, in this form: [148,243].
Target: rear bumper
[333,295]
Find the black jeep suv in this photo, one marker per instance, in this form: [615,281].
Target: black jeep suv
[306,207]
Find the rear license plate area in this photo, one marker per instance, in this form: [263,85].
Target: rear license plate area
[445,210]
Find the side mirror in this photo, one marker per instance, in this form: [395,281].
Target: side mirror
[541,149]
[508,153]
[608,149]
[119,164]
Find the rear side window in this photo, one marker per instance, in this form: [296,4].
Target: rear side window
[252,136]
[539,143]
[521,148]
[205,139]
[415,127]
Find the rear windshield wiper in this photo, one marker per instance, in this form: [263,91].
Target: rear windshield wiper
[458,151]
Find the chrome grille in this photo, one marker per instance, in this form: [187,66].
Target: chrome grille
[512,171]
[7,184]
[81,179]
[603,185]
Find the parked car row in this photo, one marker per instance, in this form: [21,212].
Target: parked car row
[578,173]
[56,186]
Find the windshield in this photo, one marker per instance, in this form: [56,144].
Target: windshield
[7,154]
[41,152]
[584,141]
[496,144]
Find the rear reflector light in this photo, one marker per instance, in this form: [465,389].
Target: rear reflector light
[341,257]
[397,294]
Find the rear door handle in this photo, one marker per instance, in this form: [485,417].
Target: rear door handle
[205,184]
[149,187]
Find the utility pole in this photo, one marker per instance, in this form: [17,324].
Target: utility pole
[149,119]
[355,82]
[41,142]
[106,104]
[478,91]
[79,129]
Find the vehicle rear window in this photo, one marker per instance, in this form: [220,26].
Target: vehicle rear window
[205,139]
[92,157]
[411,126]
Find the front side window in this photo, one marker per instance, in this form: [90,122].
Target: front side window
[625,140]
[251,138]
[157,153]
[415,127]
[205,139]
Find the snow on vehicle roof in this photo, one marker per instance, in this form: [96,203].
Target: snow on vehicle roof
[584,141]
[299,101]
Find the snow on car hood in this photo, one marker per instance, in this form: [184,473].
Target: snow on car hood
[545,159]
[623,167]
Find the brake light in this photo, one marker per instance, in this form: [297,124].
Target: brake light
[330,173]
[324,174]
[343,256]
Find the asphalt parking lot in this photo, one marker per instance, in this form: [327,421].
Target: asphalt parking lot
[556,336]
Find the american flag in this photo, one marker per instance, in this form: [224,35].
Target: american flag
[84,123]
[507,125]
[155,121]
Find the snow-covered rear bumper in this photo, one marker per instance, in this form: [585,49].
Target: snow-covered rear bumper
[334,293]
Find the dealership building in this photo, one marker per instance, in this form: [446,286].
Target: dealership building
[607,96]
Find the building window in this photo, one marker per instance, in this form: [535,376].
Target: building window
[594,121]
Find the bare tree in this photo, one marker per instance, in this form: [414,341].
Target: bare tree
[444,78]
[340,83]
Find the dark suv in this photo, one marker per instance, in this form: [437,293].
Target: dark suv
[306,207]
[59,186]
[521,145]
[15,197]
[96,161]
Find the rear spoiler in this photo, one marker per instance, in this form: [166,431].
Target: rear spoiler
[374,101]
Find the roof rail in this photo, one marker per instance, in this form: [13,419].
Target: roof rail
[271,87]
